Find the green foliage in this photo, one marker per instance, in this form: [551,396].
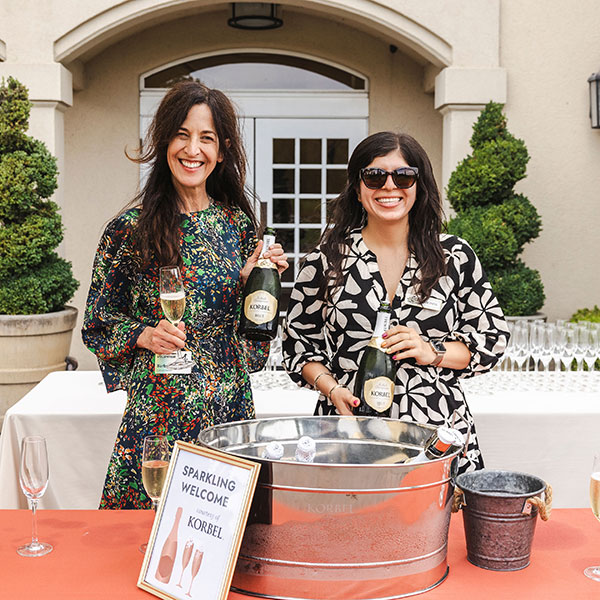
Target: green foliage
[495,220]
[493,242]
[519,289]
[488,175]
[587,314]
[490,126]
[33,279]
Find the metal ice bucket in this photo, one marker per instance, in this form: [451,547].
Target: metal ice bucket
[357,523]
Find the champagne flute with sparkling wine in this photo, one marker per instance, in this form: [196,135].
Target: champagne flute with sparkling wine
[33,476]
[172,296]
[155,463]
[594,572]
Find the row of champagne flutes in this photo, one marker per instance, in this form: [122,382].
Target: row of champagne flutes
[554,346]
[34,474]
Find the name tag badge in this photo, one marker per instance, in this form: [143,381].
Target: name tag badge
[434,304]
[167,364]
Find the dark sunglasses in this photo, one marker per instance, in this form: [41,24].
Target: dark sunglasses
[403,178]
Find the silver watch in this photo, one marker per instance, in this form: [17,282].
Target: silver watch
[440,350]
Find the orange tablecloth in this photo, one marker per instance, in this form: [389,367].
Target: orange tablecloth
[96,556]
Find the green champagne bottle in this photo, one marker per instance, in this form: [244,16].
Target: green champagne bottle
[260,304]
[376,376]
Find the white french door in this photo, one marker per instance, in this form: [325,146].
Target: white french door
[299,165]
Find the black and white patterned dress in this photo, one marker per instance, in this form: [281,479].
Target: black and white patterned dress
[462,307]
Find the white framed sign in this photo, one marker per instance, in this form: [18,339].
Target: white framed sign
[198,529]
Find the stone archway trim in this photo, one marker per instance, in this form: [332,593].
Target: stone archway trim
[126,17]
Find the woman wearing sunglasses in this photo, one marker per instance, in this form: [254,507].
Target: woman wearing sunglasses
[384,241]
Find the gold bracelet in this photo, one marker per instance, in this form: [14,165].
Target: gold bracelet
[335,387]
[318,377]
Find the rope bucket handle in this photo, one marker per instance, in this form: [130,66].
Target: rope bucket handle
[544,506]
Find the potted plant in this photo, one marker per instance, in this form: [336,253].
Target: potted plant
[496,221]
[35,283]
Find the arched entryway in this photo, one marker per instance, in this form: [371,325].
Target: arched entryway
[301,118]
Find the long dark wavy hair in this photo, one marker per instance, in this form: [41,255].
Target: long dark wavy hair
[425,218]
[157,232]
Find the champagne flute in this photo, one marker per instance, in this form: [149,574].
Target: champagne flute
[155,463]
[172,296]
[198,555]
[185,558]
[594,572]
[33,476]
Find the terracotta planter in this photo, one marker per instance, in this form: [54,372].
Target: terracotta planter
[31,346]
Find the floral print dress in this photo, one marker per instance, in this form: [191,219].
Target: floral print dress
[123,300]
[462,307]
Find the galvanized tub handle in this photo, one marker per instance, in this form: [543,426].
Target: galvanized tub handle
[544,506]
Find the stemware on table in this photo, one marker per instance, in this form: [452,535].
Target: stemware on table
[155,463]
[594,572]
[33,477]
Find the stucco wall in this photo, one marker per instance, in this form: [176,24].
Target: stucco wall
[105,115]
[549,51]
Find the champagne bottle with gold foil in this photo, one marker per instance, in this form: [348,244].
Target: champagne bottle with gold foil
[260,304]
[375,380]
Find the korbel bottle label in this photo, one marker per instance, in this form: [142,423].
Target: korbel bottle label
[379,393]
[260,307]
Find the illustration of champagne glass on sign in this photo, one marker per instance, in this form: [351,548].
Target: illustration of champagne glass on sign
[198,555]
[33,476]
[594,572]
[155,463]
[185,558]
[172,296]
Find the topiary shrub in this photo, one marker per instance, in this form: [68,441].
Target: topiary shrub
[33,278]
[495,220]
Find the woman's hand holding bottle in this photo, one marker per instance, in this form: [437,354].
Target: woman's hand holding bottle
[404,342]
[275,254]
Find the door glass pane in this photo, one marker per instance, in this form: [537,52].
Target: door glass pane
[310,152]
[283,151]
[310,181]
[310,210]
[286,238]
[309,239]
[283,181]
[283,210]
[337,152]
[284,299]
[288,274]
[336,178]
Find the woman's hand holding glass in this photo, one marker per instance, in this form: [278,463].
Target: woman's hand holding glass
[164,338]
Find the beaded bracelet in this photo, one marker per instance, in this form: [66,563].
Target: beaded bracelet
[319,377]
[335,387]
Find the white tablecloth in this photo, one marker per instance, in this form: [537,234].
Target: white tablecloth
[524,424]
[79,420]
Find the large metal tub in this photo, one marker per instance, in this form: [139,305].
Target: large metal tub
[355,524]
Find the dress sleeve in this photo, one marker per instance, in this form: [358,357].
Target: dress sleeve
[481,323]
[304,332]
[256,353]
[109,329]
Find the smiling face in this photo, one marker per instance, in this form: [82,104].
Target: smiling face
[388,204]
[193,153]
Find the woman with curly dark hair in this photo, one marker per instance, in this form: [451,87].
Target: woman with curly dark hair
[384,242]
[194,213]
